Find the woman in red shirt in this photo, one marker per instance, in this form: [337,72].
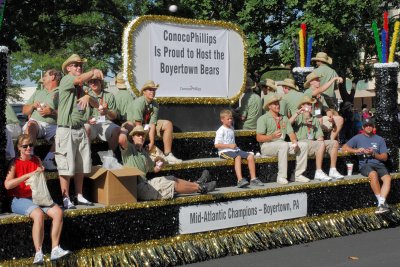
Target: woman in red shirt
[22,168]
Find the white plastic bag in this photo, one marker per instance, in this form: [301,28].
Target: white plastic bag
[40,193]
[109,161]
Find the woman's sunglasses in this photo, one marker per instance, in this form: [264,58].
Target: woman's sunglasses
[26,146]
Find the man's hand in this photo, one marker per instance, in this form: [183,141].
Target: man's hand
[83,102]
[103,109]
[339,79]
[277,134]
[45,111]
[97,74]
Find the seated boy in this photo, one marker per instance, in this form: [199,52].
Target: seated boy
[227,149]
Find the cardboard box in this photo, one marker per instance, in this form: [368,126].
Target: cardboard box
[114,186]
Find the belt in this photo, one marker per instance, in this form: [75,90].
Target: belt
[77,127]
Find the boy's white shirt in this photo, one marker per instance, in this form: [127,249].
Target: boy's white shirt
[225,135]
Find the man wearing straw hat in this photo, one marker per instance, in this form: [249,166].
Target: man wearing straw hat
[308,129]
[272,129]
[72,144]
[329,119]
[144,111]
[323,70]
[123,97]
[268,87]
[250,107]
[165,187]
[291,98]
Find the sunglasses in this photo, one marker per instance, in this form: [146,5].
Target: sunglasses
[26,146]
[76,65]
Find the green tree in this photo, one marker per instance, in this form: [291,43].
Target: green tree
[343,30]
[42,34]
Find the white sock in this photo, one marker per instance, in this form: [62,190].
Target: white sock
[56,247]
[378,197]
[382,200]
[66,200]
[49,156]
[318,171]
[332,169]
[81,198]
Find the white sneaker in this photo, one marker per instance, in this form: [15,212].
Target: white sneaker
[68,205]
[335,175]
[171,159]
[320,175]
[281,180]
[49,165]
[301,179]
[38,257]
[58,253]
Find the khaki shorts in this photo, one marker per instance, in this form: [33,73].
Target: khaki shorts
[313,146]
[160,126]
[157,188]
[46,130]
[72,151]
[326,125]
[101,130]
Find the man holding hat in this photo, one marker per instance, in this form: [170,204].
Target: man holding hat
[272,129]
[291,99]
[123,97]
[329,119]
[250,107]
[165,187]
[100,122]
[144,111]
[72,144]
[308,129]
[372,152]
[326,73]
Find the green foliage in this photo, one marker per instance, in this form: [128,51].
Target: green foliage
[42,34]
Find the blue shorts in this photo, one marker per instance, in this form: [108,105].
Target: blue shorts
[25,206]
[366,168]
[234,154]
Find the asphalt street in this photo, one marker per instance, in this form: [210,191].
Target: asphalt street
[378,249]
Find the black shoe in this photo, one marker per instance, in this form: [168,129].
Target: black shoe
[383,208]
[204,178]
[85,203]
[242,183]
[208,187]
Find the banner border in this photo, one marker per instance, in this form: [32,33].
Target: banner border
[128,57]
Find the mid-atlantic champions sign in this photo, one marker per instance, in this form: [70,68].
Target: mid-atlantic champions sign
[190,59]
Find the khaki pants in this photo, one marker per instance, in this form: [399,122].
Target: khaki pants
[72,151]
[162,187]
[313,146]
[282,149]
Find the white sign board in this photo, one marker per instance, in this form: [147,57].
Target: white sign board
[201,218]
[189,62]
[189,59]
